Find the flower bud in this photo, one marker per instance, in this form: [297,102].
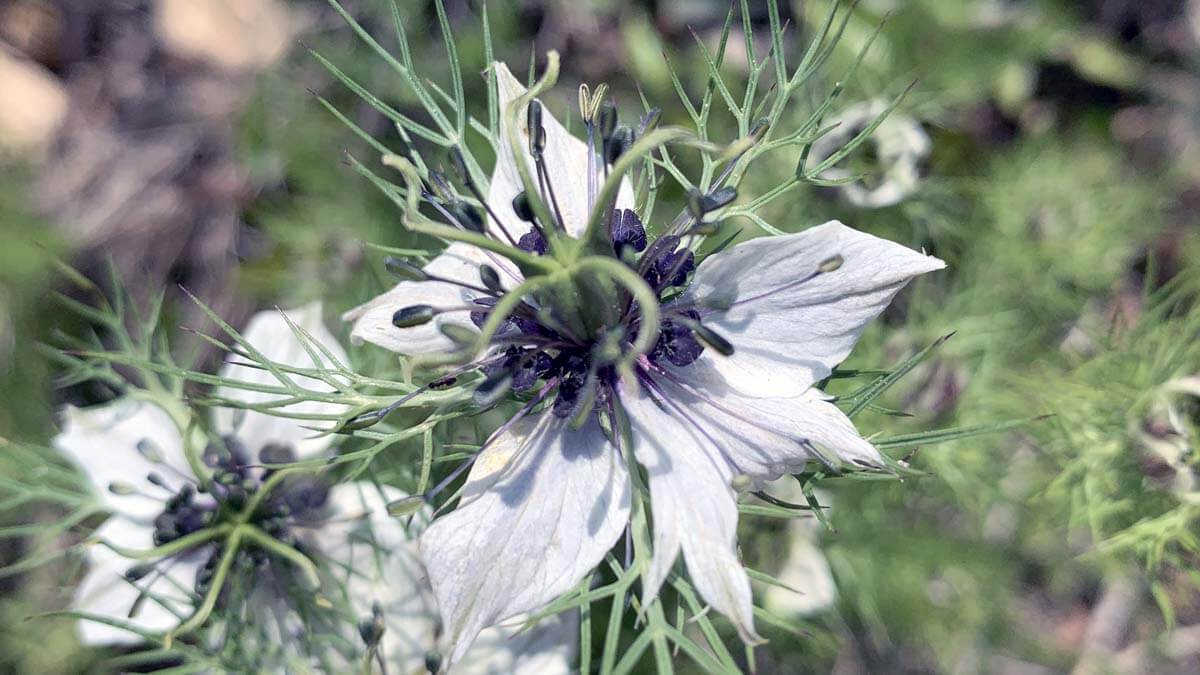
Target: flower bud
[371,629]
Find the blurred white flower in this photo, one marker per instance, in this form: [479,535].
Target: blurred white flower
[547,499]
[132,452]
[895,152]
[805,571]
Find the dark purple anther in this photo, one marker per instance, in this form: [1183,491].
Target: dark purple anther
[532,242]
[626,230]
[674,267]
[676,345]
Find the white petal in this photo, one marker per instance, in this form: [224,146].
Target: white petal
[541,508]
[546,649]
[694,510]
[788,333]
[566,164]
[105,592]
[769,436]
[103,441]
[378,559]
[270,333]
[373,320]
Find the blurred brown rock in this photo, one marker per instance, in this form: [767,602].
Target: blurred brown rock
[236,35]
[33,105]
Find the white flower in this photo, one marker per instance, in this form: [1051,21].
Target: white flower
[899,145]
[805,571]
[545,502]
[132,452]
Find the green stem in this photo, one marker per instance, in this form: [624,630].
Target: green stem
[276,547]
[506,305]
[214,590]
[608,192]
[171,548]
[265,489]
[416,222]
[512,131]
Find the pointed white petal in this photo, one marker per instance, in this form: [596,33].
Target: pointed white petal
[460,262]
[566,164]
[788,333]
[105,592]
[765,437]
[270,333]
[542,506]
[694,509]
[103,441]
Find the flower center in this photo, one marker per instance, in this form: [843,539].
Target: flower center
[534,346]
[235,480]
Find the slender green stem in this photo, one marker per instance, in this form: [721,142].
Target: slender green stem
[232,544]
[499,313]
[512,132]
[276,547]
[171,548]
[415,221]
[612,185]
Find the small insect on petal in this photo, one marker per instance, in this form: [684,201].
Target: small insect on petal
[414,315]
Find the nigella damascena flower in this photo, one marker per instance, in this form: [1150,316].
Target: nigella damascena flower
[133,453]
[625,349]
[895,152]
